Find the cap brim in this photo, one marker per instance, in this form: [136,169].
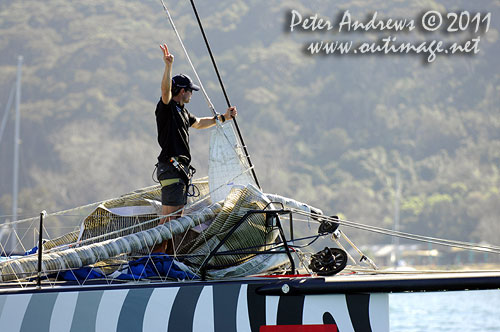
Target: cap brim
[195,87]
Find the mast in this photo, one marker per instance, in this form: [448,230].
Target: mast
[397,198]
[240,136]
[17,142]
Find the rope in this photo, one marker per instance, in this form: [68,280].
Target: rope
[415,237]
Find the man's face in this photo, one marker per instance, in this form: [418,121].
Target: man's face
[186,97]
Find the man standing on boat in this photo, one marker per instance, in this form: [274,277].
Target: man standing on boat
[173,121]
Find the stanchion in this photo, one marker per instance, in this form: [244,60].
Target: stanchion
[40,250]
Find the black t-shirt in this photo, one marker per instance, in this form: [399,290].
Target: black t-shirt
[173,122]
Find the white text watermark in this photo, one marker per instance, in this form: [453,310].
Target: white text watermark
[428,23]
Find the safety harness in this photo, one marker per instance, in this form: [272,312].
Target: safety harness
[186,171]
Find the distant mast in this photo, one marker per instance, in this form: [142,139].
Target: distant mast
[15,182]
[395,239]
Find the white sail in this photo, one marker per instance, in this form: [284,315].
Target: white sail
[227,165]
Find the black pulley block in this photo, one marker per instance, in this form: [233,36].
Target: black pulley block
[328,226]
[328,261]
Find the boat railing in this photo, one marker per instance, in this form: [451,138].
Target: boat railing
[272,220]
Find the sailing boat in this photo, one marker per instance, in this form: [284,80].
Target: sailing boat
[236,267]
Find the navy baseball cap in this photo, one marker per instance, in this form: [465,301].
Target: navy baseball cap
[184,81]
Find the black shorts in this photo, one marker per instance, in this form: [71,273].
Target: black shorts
[174,187]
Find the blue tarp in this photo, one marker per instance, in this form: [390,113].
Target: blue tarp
[31,251]
[155,265]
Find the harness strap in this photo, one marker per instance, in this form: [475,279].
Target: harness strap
[168,182]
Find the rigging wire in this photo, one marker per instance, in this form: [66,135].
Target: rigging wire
[409,236]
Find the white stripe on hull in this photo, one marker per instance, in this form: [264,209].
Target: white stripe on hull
[242,320]
[204,309]
[13,312]
[379,307]
[158,309]
[316,305]
[109,310]
[64,309]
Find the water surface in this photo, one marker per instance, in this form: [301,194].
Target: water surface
[445,311]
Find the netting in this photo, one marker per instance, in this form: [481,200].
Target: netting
[73,258]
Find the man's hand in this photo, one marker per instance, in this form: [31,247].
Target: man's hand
[231,112]
[166,80]
[167,57]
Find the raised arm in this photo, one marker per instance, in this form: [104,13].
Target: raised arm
[166,93]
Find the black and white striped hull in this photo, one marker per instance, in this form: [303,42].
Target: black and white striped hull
[193,306]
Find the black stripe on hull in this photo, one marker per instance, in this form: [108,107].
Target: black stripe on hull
[256,307]
[225,304]
[133,309]
[328,319]
[358,306]
[86,308]
[38,313]
[290,310]
[182,313]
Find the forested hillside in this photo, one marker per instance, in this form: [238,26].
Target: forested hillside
[330,130]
